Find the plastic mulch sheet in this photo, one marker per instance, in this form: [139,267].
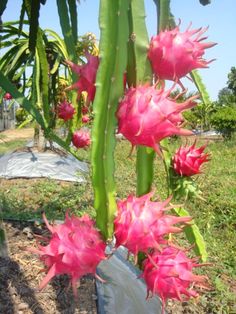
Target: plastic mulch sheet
[30,164]
[124,291]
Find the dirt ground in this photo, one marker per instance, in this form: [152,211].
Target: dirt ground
[21,273]
[11,135]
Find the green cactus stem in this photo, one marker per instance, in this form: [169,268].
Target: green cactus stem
[138,72]
[68,23]
[113,20]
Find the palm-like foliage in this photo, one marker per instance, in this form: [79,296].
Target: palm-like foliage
[40,74]
[36,74]
[18,63]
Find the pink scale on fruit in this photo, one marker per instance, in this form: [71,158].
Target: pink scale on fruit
[86,76]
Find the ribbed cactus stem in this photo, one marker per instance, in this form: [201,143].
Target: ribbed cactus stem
[163,13]
[139,72]
[113,20]
[69,33]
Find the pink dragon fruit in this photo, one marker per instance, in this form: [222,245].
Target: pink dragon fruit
[142,224]
[188,160]
[85,109]
[75,248]
[66,111]
[147,115]
[85,119]
[87,76]
[174,54]
[7,96]
[169,274]
[81,139]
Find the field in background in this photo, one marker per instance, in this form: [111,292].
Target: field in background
[216,216]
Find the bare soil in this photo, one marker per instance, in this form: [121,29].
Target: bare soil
[16,134]
[21,273]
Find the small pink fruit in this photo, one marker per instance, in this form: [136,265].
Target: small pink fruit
[147,115]
[81,139]
[75,248]
[85,119]
[188,160]
[169,274]
[174,54]
[66,111]
[7,96]
[85,110]
[87,76]
[141,224]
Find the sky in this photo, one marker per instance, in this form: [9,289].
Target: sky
[219,16]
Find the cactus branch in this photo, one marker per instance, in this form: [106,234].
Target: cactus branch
[113,21]
[139,71]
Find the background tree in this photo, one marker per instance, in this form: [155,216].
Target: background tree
[226,97]
[232,80]
[223,118]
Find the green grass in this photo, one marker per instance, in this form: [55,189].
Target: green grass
[26,199]
[216,216]
[10,146]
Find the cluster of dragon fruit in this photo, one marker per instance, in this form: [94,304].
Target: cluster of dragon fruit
[146,115]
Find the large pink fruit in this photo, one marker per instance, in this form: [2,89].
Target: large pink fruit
[169,274]
[188,160]
[81,139]
[146,115]
[87,76]
[75,248]
[174,54]
[142,224]
[66,111]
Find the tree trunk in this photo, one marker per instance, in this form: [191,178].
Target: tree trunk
[39,139]
[3,242]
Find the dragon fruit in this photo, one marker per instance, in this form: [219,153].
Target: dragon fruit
[66,111]
[7,96]
[174,54]
[147,115]
[85,119]
[75,248]
[87,76]
[169,274]
[81,139]
[141,224]
[85,110]
[188,160]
